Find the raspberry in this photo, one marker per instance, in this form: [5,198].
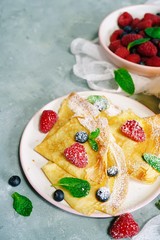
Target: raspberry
[76,155]
[147,49]
[126,39]
[122,52]
[154,18]
[116,35]
[135,58]
[153,61]
[47,120]
[124,19]
[124,227]
[114,45]
[144,24]
[135,22]
[133,130]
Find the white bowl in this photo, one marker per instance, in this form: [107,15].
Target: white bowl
[109,24]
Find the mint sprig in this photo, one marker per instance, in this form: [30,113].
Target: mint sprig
[137,42]
[94,98]
[77,187]
[157,204]
[124,80]
[91,139]
[22,204]
[153,32]
[152,160]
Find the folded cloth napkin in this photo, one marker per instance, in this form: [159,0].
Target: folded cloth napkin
[93,66]
[151,230]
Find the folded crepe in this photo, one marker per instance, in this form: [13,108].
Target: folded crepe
[77,114]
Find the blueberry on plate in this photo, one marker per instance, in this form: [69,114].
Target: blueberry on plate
[81,137]
[14,181]
[58,195]
[103,194]
[112,171]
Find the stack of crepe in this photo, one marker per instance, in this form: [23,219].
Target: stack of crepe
[77,114]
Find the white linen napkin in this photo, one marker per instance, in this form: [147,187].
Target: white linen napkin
[151,230]
[93,66]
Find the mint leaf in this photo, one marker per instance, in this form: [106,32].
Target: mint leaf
[152,160]
[94,98]
[137,42]
[157,204]
[93,144]
[124,80]
[76,186]
[91,139]
[94,134]
[22,204]
[153,32]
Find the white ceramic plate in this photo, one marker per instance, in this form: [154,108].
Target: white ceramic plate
[138,195]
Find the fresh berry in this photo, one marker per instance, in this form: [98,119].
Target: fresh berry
[147,49]
[81,137]
[154,18]
[47,120]
[127,29]
[103,194]
[135,58]
[76,155]
[144,24]
[124,227]
[14,181]
[124,19]
[133,130]
[58,195]
[135,22]
[114,45]
[122,52]
[153,61]
[112,171]
[116,35]
[130,38]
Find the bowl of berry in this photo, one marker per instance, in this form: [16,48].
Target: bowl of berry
[130,37]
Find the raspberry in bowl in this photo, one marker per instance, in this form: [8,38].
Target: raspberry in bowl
[129,41]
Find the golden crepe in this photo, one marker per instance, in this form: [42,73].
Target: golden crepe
[83,116]
[77,114]
[136,167]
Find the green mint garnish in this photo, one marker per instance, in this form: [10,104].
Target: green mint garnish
[91,139]
[152,160]
[22,204]
[137,42]
[77,187]
[157,204]
[153,32]
[124,80]
[94,98]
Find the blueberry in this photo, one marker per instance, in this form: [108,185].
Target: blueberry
[103,194]
[81,137]
[155,41]
[14,181]
[127,29]
[112,171]
[158,14]
[58,195]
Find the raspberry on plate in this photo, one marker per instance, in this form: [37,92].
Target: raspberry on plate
[114,45]
[116,35]
[153,61]
[135,58]
[124,227]
[133,130]
[47,119]
[76,155]
[143,24]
